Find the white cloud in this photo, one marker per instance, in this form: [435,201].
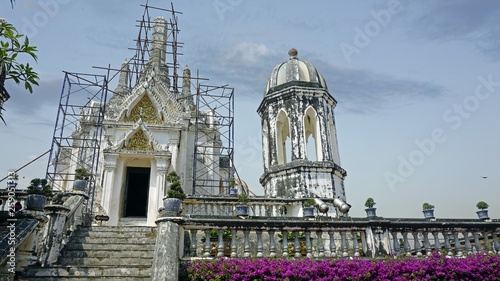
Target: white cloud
[247,54]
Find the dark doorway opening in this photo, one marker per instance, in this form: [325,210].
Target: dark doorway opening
[136,192]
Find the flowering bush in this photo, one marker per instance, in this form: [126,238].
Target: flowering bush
[435,267]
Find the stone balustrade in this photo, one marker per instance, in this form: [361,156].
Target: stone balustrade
[210,230]
[19,196]
[258,206]
[345,237]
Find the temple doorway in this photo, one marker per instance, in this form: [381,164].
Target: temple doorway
[136,192]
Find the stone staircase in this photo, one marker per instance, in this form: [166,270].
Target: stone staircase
[103,253]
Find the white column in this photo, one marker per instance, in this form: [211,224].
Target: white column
[173,147]
[109,176]
[157,191]
[115,210]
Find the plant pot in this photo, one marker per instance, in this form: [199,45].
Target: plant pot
[35,202]
[79,185]
[308,212]
[371,212]
[428,214]
[482,214]
[172,206]
[233,192]
[242,210]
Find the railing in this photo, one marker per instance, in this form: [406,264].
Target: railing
[63,218]
[258,206]
[275,228]
[334,238]
[19,196]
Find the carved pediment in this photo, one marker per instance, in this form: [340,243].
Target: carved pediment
[145,110]
[150,100]
[139,138]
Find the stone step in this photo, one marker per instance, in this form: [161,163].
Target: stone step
[102,272]
[106,254]
[117,228]
[112,240]
[121,234]
[106,261]
[116,247]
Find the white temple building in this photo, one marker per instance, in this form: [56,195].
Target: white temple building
[147,132]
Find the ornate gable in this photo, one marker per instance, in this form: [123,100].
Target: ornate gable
[139,138]
[150,100]
[144,110]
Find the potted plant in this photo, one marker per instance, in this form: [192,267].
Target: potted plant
[233,191]
[483,210]
[308,208]
[175,195]
[37,191]
[370,210]
[81,178]
[428,210]
[242,209]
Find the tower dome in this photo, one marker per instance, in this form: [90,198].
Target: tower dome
[295,71]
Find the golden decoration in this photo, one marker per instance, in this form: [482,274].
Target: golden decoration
[145,110]
[139,142]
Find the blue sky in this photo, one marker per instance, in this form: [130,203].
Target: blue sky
[417,85]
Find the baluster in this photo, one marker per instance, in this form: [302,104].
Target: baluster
[395,242]
[207,243]
[343,243]
[284,243]
[204,209]
[487,245]
[468,246]
[272,247]
[447,245]
[333,247]
[296,244]
[259,244]
[458,245]
[406,243]
[416,243]
[246,234]
[220,247]
[476,242]
[437,244]
[193,242]
[427,244]
[234,246]
[496,242]
[355,244]
[321,245]
[308,244]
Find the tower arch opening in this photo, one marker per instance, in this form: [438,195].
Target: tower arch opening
[312,135]
[283,137]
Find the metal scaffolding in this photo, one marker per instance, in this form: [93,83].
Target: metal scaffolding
[214,140]
[78,131]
